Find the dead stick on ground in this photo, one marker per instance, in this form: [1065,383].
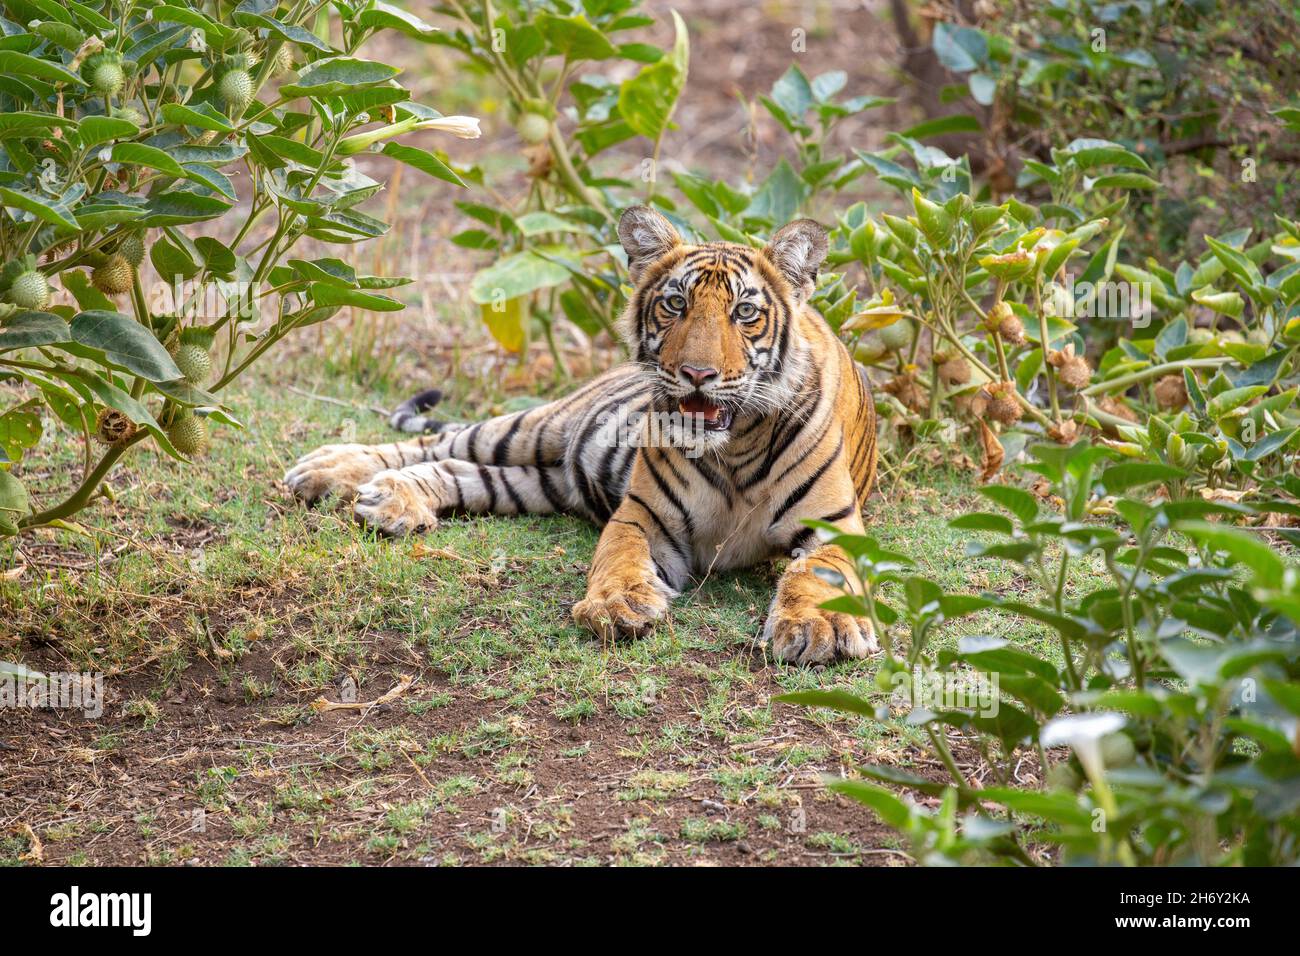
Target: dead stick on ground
[338,401]
[323,706]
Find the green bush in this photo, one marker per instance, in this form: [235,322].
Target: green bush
[123,125]
[1174,684]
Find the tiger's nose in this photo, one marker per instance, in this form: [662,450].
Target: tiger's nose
[697,376]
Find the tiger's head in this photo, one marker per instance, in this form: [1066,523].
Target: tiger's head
[715,324]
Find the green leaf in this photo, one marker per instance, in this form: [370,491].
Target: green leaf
[646,101]
[958,48]
[515,275]
[13,496]
[40,207]
[1225,402]
[138,154]
[1120,478]
[893,811]
[1019,502]
[340,74]
[20,429]
[840,700]
[32,329]
[292,33]
[1125,181]
[327,293]
[20,64]
[982,521]
[94,130]
[126,343]
[1244,547]
[384,15]
[1241,267]
[574,38]
[424,161]
[202,117]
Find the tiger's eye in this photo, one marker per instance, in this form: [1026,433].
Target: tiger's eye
[676,303]
[746,310]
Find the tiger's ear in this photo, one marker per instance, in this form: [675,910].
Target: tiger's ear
[646,237]
[798,249]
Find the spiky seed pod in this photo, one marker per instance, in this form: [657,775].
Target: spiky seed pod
[1012,330]
[897,335]
[132,249]
[235,90]
[115,276]
[1113,406]
[907,390]
[1000,312]
[188,433]
[1075,372]
[58,250]
[971,404]
[103,73]
[30,290]
[955,371]
[1171,392]
[194,362]
[112,427]
[130,114]
[1004,408]
[283,61]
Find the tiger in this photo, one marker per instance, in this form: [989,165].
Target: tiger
[741,415]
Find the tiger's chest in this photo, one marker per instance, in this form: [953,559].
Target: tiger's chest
[731,533]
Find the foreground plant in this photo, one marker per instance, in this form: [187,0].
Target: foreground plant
[124,126]
[1175,686]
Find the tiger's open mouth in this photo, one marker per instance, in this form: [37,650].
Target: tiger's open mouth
[715,417]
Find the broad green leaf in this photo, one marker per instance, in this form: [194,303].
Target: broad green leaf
[840,700]
[1224,402]
[327,294]
[1120,478]
[424,161]
[20,64]
[94,130]
[203,116]
[126,343]
[337,75]
[40,207]
[515,275]
[1019,502]
[646,101]
[574,38]
[138,154]
[32,329]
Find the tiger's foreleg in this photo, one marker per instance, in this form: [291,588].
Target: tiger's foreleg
[798,629]
[639,564]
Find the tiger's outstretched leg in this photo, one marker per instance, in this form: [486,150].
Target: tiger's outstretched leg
[409,500]
[538,436]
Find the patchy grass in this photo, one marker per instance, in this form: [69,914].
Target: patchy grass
[218,612]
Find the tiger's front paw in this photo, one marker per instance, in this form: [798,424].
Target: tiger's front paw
[396,504]
[620,609]
[800,632]
[331,470]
